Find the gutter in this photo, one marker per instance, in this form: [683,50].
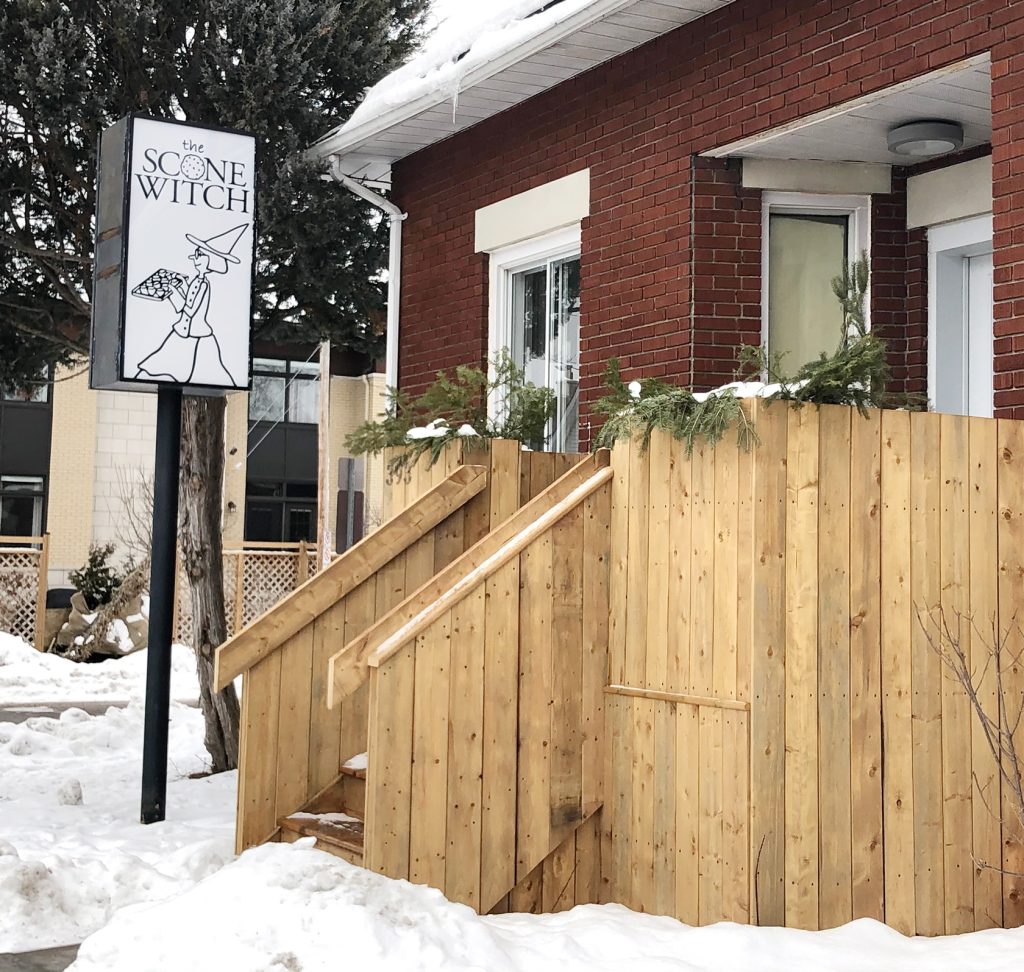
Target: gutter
[395,217]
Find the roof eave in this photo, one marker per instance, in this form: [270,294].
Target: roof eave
[339,143]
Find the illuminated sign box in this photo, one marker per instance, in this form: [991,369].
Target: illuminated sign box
[175,242]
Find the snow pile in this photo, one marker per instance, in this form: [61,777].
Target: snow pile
[469,34]
[71,848]
[29,677]
[747,389]
[289,907]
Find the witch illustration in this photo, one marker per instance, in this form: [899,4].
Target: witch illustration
[190,353]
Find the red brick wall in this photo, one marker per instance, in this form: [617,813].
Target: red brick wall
[637,122]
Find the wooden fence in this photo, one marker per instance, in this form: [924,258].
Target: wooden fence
[264,573]
[768,603]
[23,568]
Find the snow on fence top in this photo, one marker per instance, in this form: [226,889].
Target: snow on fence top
[471,33]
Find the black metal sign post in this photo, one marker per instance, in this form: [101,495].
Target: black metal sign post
[161,604]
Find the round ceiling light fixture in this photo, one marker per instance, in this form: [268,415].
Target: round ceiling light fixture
[926,138]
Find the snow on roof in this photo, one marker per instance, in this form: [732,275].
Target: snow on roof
[469,33]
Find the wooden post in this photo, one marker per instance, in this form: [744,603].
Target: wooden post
[41,585]
[177,595]
[323,478]
[239,612]
[302,567]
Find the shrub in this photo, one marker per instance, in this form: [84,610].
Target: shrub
[97,579]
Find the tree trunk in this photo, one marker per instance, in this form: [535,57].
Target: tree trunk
[202,488]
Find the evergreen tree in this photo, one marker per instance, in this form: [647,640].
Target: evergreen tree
[287,70]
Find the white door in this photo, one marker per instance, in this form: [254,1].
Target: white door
[960,317]
[979,334]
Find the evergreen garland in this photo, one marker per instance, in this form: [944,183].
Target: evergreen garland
[457,406]
[856,374]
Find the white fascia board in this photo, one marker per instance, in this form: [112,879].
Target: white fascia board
[553,205]
[953,193]
[341,143]
[784,175]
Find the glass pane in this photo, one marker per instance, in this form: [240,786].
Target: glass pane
[21,484]
[20,515]
[565,359]
[305,368]
[263,521]
[301,490]
[304,401]
[804,317]
[255,488]
[529,324]
[301,523]
[269,364]
[266,400]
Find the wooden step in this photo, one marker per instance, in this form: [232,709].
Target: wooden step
[355,767]
[337,833]
[346,794]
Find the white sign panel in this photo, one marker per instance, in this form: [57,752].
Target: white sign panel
[188,258]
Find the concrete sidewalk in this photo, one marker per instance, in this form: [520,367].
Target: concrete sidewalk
[46,960]
[52,710]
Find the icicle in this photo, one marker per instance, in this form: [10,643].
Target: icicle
[455,102]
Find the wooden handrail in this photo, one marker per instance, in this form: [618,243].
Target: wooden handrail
[350,667]
[308,601]
[25,540]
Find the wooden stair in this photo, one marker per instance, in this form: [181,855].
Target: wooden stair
[337,833]
[335,816]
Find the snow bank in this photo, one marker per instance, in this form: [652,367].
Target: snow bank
[71,848]
[30,677]
[289,907]
[469,34]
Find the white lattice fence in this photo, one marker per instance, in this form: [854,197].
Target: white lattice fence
[264,576]
[23,587]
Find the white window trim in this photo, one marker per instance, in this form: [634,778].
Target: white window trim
[503,263]
[803,203]
[963,238]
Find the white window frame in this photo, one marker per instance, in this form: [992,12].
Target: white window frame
[961,239]
[858,208]
[507,261]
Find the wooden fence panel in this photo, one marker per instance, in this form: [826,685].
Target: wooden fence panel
[23,566]
[678,808]
[815,577]
[498,729]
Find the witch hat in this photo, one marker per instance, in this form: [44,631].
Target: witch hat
[222,244]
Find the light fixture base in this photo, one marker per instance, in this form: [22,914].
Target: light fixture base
[924,139]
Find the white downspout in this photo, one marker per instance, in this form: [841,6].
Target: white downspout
[395,216]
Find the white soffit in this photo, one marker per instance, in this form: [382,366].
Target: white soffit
[955,192]
[562,202]
[597,33]
[856,131]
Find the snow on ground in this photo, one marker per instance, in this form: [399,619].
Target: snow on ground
[71,848]
[29,677]
[468,33]
[289,907]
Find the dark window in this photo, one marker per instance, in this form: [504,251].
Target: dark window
[285,391]
[280,512]
[21,506]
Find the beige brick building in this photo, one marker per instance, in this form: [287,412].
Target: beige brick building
[101,462]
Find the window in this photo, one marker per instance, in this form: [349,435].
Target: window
[280,512]
[535,313]
[284,391]
[21,506]
[36,391]
[806,242]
